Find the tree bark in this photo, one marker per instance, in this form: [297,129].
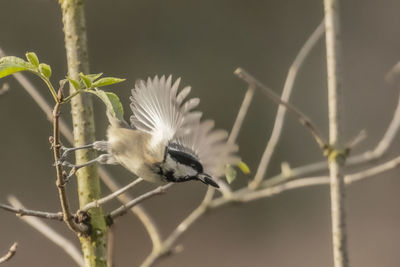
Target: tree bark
[94,245]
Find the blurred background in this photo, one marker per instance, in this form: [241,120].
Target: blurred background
[203,42]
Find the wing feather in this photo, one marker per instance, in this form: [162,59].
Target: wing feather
[160,110]
[211,148]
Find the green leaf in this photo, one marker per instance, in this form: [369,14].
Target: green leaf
[230,174]
[93,77]
[86,80]
[10,65]
[243,167]
[111,101]
[107,81]
[45,70]
[32,58]
[74,83]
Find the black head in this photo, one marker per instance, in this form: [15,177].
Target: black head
[182,166]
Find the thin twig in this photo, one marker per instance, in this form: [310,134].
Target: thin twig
[49,233]
[106,177]
[390,133]
[247,194]
[368,156]
[110,247]
[147,221]
[41,214]
[67,216]
[251,80]
[11,252]
[373,171]
[286,93]
[124,208]
[167,245]
[97,203]
[335,159]
[244,107]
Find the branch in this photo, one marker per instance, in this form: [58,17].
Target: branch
[244,107]
[336,158]
[140,212]
[11,252]
[88,182]
[167,245]
[41,214]
[49,233]
[368,156]
[106,177]
[55,141]
[200,210]
[124,208]
[286,93]
[242,74]
[247,194]
[98,202]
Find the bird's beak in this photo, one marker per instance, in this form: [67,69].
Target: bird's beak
[207,179]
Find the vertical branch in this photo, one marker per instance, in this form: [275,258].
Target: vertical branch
[94,246]
[67,216]
[335,157]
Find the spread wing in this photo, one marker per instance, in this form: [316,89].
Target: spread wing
[160,110]
[211,148]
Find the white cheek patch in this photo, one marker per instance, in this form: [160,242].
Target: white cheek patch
[180,170]
[183,170]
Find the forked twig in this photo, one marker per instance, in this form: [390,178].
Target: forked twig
[200,210]
[244,75]
[97,203]
[286,93]
[40,214]
[124,208]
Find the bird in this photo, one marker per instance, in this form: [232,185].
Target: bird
[166,140]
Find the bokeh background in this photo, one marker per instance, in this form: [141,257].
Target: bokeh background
[203,42]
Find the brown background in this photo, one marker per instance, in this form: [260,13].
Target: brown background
[203,42]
